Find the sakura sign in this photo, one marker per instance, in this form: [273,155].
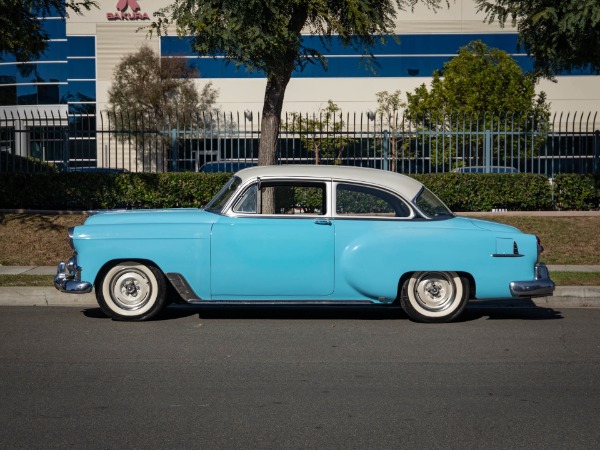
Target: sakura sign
[127,10]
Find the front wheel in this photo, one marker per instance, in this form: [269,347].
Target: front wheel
[434,296]
[131,291]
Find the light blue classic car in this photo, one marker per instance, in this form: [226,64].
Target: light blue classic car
[303,235]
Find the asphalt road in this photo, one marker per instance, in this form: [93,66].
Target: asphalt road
[350,378]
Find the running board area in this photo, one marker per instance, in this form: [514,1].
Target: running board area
[188,295]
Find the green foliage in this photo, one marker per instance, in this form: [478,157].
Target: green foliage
[484,192]
[560,35]
[461,192]
[267,37]
[150,93]
[147,86]
[480,89]
[21,32]
[321,133]
[14,163]
[83,191]
[577,192]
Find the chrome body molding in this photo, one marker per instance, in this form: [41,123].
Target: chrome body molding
[68,278]
[182,287]
[541,286]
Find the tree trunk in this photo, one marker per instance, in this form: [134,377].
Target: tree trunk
[271,119]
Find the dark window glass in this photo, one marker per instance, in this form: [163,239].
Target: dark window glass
[79,91]
[56,28]
[291,198]
[56,51]
[82,108]
[48,94]
[354,200]
[8,74]
[8,95]
[41,73]
[82,69]
[27,95]
[82,46]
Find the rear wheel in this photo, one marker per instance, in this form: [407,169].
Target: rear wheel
[131,291]
[434,296]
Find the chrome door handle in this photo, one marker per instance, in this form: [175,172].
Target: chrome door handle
[323,221]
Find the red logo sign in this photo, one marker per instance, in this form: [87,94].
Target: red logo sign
[122,6]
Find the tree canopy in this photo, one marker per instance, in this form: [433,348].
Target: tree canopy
[158,94]
[481,89]
[268,36]
[479,79]
[144,84]
[22,32]
[559,35]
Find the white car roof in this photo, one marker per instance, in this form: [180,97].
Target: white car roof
[405,186]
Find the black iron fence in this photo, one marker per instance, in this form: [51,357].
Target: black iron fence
[485,142]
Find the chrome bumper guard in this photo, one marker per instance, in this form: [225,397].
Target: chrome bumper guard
[68,278]
[542,286]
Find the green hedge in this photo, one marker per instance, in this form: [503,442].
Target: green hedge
[79,191]
[576,192]
[461,192]
[484,192]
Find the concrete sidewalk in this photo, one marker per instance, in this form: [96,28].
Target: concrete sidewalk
[564,296]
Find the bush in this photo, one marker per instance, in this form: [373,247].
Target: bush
[72,190]
[460,191]
[484,192]
[576,191]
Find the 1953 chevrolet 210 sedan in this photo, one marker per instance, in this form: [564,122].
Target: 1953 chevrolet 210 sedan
[303,235]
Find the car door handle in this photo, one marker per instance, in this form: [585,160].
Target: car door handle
[323,221]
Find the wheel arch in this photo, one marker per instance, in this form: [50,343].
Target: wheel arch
[472,286]
[107,265]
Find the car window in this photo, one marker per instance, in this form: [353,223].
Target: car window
[220,200]
[432,206]
[291,198]
[356,200]
[248,201]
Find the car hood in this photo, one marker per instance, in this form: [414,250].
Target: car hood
[155,216]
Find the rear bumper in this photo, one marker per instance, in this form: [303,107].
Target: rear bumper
[68,278]
[541,286]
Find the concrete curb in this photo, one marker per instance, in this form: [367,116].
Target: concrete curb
[564,297]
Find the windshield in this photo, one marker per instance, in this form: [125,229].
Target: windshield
[432,206]
[221,199]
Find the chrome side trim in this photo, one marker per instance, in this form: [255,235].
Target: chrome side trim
[182,287]
[68,278]
[541,286]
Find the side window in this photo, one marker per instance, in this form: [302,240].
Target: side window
[289,198]
[355,200]
[247,203]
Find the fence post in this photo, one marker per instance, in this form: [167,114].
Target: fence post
[596,151]
[386,150]
[174,158]
[487,151]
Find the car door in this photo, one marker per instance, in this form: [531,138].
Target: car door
[276,242]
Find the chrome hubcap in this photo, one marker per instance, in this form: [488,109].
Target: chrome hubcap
[435,291]
[131,289]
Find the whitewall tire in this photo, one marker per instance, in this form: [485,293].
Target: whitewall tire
[131,291]
[434,296]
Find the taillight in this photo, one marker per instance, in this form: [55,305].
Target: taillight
[540,247]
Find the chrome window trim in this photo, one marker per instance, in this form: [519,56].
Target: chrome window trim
[337,216]
[230,212]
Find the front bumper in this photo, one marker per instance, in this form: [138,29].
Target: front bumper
[541,286]
[68,278]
